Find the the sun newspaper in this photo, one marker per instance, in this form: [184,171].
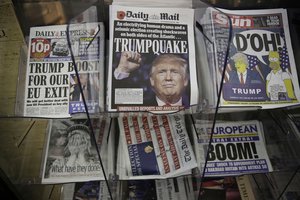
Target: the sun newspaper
[261,70]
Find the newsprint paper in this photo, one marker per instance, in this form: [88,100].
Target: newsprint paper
[236,148]
[152,59]
[261,69]
[70,153]
[90,190]
[154,147]
[51,87]
[179,188]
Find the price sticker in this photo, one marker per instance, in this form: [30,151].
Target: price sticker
[40,48]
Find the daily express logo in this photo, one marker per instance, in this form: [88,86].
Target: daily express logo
[145,17]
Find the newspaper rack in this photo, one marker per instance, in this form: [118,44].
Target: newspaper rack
[204,91]
[213,45]
[206,99]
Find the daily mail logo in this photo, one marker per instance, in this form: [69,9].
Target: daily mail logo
[145,17]
[121,14]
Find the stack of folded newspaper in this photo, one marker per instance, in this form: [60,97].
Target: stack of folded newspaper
[154,147]
[180,188]
[86,190]
[235,148]
[71,153]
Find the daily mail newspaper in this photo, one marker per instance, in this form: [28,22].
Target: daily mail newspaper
[152,59]
[154,147]
[261,68]
[51,87]
[236,148]
[70,153]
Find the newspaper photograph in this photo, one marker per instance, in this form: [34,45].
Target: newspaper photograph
[89,190]
[261,69]
[52,88]
[236,148]
[70,153]
[154,147]
[221,188]
[179,188]
[152,59]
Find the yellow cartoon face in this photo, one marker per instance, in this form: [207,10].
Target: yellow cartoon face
[274,60]
[240,65]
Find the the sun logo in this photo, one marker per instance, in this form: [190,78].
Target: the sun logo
[120,14]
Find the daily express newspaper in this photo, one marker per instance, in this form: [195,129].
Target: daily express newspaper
[261,69]
[51,87]
[154,147]
[70,153]
[236,148]
[146,37]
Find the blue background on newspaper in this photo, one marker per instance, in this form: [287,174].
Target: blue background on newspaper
[142,189]
[78,107]
[237,167]
[143,162]
[246,92]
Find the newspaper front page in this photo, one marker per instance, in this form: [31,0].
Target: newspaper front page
[236,148]
[261,69]
[152,59]
[180,188]
[154,147]
[91,190]
[70,153]
[52,88]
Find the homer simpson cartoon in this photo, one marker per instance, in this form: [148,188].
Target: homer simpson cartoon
[278,83]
